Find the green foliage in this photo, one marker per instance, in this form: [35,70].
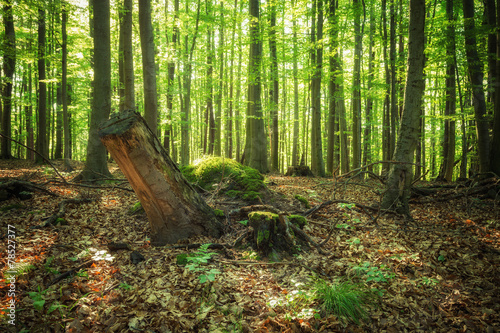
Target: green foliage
[299,220]
[38,298]
[125,286]
[239,181]
[198,262]
[303,200]
[343,299]
[136,209]
[374,273]
[219,213]
[47,266]
[10,207]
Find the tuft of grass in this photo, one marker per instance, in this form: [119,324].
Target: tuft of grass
[343,299]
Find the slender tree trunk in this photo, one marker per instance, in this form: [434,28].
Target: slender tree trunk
[295,145]
[128,56]
[400,176]
[9,66]
[274,90]
[230,118]
[367,142]
[476,78]
[495,149]
[209,111]
[332,156]
[356,91]
[256,152]
[42,145]
[317,163]
[96,163]
[220,85]
[171,77]
[64,89]
[386,123]
[148,65]
[489,7]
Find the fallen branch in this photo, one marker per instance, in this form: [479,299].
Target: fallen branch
[33,150]
[71,272]
[61,211]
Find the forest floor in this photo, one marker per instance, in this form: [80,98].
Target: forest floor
[437,273]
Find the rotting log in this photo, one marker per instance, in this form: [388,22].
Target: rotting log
[174,209]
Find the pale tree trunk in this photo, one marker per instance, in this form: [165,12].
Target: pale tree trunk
[274,89]
[256,152]
[451,95]
[171,76]
[148,65]
[495,149]
[220,87]
[230,112]
[96,163]
[476,79]
[64,89]
[356,92]
[386,122]
[317,163]
[397,191]
[188,58]
[128,56]
[42,144]
[174,209]
[295,145]
[332,156]
[9,66]
[367,158]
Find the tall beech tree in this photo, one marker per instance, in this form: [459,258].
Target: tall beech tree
[9,66]
[127,56]
[274,88]
[148,65]
[400,175]
[495,149]
[96,166]
[42,142]
[475,68]
[255,149]
[317,163]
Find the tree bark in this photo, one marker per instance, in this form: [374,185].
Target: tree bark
[256,152]
[128,56]
[356,89]
[400,176]
[295,145]
[174,209]
[274,89]
[476,79]
[148,65]
[9,66]
[42,145]
[96,166]
[495,151]
[317,163]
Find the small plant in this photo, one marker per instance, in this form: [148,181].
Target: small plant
[125,286]
[38,298]
[198,261]
[345,300]
[374,273]
[427,281]
[47,266]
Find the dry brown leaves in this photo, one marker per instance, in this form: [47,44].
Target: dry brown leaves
[441,270]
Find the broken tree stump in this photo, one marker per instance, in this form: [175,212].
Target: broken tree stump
[174,209]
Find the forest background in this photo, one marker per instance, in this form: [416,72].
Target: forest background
[267,83]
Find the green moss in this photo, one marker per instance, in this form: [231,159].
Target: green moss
[244,182]
[136,209]
[303,200]
[219,213]
[255,216]
[61,221]
[10,207]
[299,220]
[182,259]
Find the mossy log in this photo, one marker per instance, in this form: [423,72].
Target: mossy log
[174,209]
[273,233]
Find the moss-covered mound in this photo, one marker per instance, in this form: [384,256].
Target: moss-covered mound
[239,181]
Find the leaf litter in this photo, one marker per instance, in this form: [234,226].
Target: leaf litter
[437,273]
